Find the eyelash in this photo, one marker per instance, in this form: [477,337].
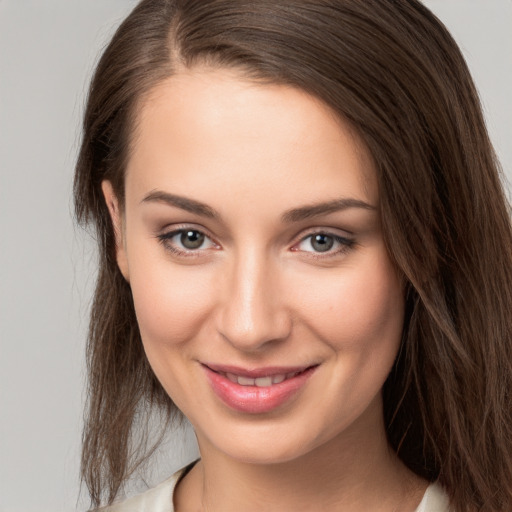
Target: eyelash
[165,240]
[345,243]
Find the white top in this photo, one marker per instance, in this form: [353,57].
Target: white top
[160,498]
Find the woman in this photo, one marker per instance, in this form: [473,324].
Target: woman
[305,249]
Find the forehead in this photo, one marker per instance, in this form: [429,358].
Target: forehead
[207,128]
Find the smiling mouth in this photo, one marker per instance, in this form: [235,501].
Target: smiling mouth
[261,382]
[258,377]
[260,390]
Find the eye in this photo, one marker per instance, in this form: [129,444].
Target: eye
[324,243]
[185,241]
[191,239]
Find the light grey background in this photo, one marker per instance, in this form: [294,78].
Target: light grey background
[47,52]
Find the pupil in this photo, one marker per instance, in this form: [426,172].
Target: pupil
[322,243]
[192,239]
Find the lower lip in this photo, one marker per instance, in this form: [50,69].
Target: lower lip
[254,399]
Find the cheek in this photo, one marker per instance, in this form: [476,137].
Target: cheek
[361,309]
[171,302]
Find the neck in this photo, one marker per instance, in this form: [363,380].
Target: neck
[356,471]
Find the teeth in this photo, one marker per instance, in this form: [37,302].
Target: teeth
[245,381]
[260,382]
[263,382]
[276,379]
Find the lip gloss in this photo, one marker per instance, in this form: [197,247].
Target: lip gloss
[254,399]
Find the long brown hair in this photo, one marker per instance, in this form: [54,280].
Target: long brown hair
[393,71]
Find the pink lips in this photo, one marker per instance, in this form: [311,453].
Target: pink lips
[253,398]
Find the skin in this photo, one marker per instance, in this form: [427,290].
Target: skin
[258,292]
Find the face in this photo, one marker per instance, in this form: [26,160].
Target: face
[267,304]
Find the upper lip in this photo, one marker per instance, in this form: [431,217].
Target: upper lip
[254,373]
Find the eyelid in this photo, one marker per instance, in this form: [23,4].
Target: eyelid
[346,242]
[165,235]
[177,228]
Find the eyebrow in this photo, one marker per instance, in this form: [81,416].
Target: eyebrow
[184,203]
[288,217]
[315,210]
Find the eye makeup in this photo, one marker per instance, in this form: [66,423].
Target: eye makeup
[191,242]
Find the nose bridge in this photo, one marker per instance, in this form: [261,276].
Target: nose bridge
[253,309]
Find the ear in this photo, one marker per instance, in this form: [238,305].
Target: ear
[117,224]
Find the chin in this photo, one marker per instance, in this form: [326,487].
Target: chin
[263,443]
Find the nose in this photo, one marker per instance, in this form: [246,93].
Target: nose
[253,312]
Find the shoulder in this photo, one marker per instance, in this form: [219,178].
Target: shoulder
[156,499]
[434,500]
